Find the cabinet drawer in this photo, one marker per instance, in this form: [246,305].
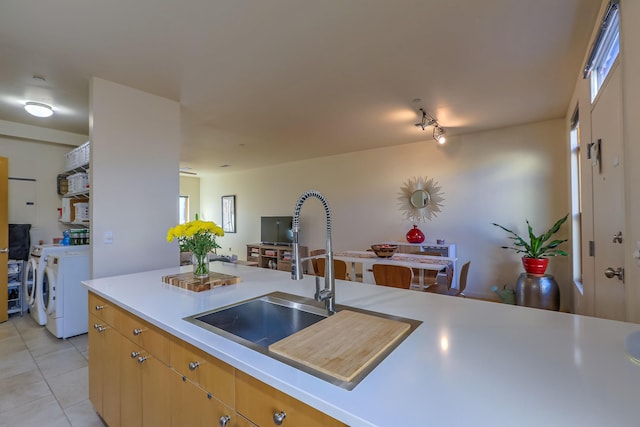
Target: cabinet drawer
[145,335]
[194,407]
[205,370]
[103,309]
[259,403]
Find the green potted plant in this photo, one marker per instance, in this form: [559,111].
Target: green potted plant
[537,249]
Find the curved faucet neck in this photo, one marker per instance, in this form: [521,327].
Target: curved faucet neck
[328,294]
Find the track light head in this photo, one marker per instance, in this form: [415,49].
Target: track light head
[438,134]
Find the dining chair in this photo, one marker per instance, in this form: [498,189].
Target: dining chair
[430,277]
[448,290]
[314,261]
[339,268]
[395,276]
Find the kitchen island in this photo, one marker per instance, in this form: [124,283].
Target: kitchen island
[469,363]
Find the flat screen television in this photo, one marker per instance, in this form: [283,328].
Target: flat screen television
[276,230]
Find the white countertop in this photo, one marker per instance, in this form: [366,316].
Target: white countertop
[471,363]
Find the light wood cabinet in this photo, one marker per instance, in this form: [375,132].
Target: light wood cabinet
[274,256]
[260,403]
[144,388]
[128,382]
[153,379]
[104,370]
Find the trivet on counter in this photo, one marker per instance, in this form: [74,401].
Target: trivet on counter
[187,281]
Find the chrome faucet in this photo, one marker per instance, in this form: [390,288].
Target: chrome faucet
[328,294]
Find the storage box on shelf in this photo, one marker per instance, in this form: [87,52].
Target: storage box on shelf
[74,187]
[275,256]
[15,296]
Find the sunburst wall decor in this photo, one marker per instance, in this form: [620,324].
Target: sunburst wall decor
[420,199]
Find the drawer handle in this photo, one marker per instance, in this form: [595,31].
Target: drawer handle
[193,365]
[278,417]
[99,307]
[137,332]
[224,420]
[135,354]
[141,359]
[100,328]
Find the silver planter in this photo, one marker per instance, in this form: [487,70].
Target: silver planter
[539,291]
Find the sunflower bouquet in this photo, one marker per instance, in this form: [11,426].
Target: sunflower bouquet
[199,238]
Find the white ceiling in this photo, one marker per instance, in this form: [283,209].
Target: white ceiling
[267,81]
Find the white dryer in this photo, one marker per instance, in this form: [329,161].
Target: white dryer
[67,301]
[34,292]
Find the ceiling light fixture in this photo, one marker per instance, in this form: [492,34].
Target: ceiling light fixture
[38,109]
[428,120]
[438,134]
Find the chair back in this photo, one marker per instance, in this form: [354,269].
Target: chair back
[395,276]
[464,272]
[339,268]
[430,277]
[314,261]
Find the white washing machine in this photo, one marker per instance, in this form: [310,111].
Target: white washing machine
[34,274]
[67,300]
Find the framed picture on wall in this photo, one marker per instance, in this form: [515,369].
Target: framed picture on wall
[229,214]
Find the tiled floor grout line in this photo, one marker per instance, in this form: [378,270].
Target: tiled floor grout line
[35,361]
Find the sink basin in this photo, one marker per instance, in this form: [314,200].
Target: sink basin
[259,322]
[263,321]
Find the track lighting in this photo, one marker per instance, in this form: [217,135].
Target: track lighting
[38,109]
[438,134]
[428,120]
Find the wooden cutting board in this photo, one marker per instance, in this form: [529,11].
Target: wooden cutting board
[342,345]
[187,281]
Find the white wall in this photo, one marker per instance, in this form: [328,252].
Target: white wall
[42,160]
[504,176]
[190,186]
[135,156]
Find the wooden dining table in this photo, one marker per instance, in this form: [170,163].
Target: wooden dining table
[420,262]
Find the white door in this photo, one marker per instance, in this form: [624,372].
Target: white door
[608,198]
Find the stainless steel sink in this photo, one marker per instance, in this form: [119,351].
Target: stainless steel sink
[262,321]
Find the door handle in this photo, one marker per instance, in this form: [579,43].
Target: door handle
[617,238]
[610,273]
[4,250]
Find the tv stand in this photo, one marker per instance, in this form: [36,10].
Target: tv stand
[276,257]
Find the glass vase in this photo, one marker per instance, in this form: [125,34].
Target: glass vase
[200,265]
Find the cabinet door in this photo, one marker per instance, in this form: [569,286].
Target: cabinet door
[259,403]
[130,384]
[97,361]
[104,370]
[144,388]
[194,407]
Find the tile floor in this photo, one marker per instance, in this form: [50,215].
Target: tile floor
[43,379]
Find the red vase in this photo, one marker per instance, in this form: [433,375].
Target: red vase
[535,265]
[415,235]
